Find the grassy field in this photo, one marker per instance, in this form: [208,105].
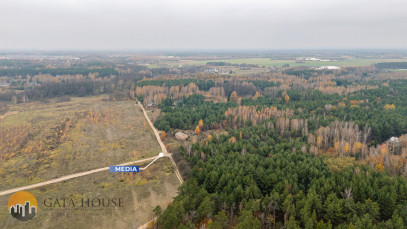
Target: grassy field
[42,141]
[279,63]
[141,192]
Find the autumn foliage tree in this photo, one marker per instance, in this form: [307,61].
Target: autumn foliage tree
[11,139]
[209,137]
[357,147]
[234,97]
[389,107]
[200,124]
[197,130]
[286,98]
[163,135]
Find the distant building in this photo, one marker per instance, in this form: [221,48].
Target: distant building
[394,140]
[176,102]
[31,84]
[395,146]
[314,59]
[328,68]
[181,136]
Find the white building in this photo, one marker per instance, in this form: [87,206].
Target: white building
[328,68]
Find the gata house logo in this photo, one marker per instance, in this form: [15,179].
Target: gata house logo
[23,205]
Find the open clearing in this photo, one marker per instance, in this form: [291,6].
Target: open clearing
[279,63]
[141,192]
[44,141]
[60,138]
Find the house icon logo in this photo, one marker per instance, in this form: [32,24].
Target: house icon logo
[23,205]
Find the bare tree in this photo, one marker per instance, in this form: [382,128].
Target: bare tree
[347,193]
[188,147]
[366,133]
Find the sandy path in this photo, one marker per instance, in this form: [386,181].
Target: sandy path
[163,149]
[67,177]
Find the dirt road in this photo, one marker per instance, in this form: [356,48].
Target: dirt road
[163,149]
[67,177]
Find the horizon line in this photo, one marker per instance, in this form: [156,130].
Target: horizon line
[208,50]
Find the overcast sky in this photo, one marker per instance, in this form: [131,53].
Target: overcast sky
[202,24]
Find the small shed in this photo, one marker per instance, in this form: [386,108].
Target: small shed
[394,140]
[181,136]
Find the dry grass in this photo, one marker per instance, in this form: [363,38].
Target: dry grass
[141,192]
[79,135]
[74,136]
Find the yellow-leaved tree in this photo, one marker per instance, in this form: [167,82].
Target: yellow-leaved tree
[286,98]
[389,107]
[341,105]
[357,147]
[346,148]
[209,137]
[234,97]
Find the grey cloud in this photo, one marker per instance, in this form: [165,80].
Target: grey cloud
[199,24]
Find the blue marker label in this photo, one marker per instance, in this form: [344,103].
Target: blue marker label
[124,169]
